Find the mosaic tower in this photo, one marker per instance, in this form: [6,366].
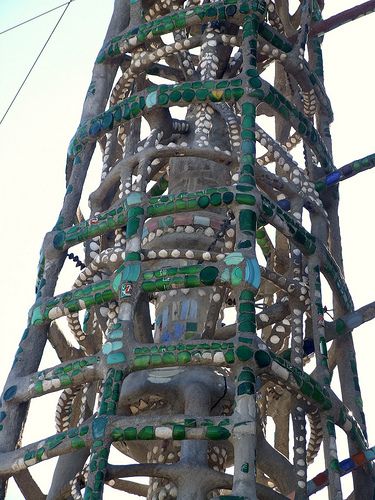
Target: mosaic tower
[198,310]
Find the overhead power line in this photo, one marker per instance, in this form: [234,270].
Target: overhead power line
[35,17]
[34,63]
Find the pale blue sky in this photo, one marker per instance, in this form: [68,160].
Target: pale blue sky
[36,132]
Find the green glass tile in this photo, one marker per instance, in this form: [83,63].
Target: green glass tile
[134,211]
[222,84]
[236,276]
[334,465]
[130,433]
[38,387]
[132,256]
[236,82]
[231,10]
[192,281]
[246,327]
[244,244]
[257,94]
[188,95]
[340,326]
[54,441]
[141,361]
[217,433]
[215,199]
[331,428]
[190,422]
[246,376]
[183,357]
[178,432]
[246,295]
[191,326]
[237,93]
[84,430]
[262,358]
[169,358]
[228,197]
[307,389]
[252,71]
[175,96]
[126,113]
[228,94]
[246,307]
[209,84]
[201,94]
[247,221]
[245,199]
[244,353]
[146,433]
[211,11]
[245,388]
[132,226]
[77,443]
[37,316]
[208,275]
[245,9]
[155,359]
[302,129]
[163,99]
[65,380]
[248,147]
[248,135]
[229,357]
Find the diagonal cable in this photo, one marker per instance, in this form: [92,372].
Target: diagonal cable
[34,63]
[35,17]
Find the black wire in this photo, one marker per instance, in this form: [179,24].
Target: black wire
[224,393]
[224,226]
[76,259]
[34,63]
[221,232]
[35,17]
[260,306]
